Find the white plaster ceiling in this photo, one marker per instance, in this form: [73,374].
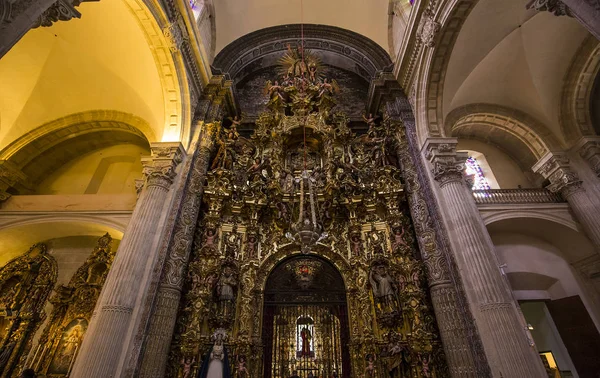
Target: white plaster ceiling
[510,56]
[235,18]
[101,61]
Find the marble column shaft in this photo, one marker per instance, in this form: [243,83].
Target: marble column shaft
[106,335]
[164,316]
[503,333]
[450,315]
[555,167]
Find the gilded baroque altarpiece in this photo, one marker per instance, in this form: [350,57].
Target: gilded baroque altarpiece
[305,261]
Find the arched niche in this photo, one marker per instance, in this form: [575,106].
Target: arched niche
[96,146]
[305,316]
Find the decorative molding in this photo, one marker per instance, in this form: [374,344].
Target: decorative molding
[589,150]
[62,10]
[555,167]
[448,164]
[428,29]
[556,7]
[176,35]
[159,169]
[362,55]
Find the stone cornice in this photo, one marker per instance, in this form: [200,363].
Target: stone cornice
[555,167]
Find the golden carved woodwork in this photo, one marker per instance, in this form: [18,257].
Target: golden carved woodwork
[25,284]
[251,202]
[73,305]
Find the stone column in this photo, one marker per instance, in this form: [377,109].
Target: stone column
[589,149]
[166,307]
[105,339]
[502,330]
[555,167]
[459,338]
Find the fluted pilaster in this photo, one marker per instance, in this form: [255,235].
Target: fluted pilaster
[451,317]
[503,334]
[555,167]
[106,336]
[164,316]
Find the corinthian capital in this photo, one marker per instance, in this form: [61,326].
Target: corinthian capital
[159,169]
[556,7]
[555,167]
[448,164]
[589,150]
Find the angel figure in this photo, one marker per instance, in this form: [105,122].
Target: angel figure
[425,360]
[240,369]
[398,232]
[370,365]
[186,366]
[276,99]
[312,72]
[370,120]
[356,244]
[235,122]
[325,96]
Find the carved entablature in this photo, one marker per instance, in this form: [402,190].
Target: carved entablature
[556,7]
[448,164]
[555,167]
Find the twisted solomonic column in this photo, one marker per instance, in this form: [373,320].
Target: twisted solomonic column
[164,316]
[502,330]
[555,167]
[105,339]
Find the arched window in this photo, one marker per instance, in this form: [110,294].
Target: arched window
[473,169]
[479,169]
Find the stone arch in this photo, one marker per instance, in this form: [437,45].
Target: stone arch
[558,218]
[575,116]
[157,28]
[31,157]
[290,250]
[451,16]
[24,232]
[515,132]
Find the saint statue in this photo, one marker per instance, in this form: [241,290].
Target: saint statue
[306,337]
[382,284]
[226,285]
[216,365]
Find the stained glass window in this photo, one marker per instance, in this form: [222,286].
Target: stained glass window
[473,168]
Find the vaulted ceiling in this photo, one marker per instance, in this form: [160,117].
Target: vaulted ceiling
[513,57]
[235,18]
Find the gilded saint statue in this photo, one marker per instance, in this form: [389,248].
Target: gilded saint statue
[306,338]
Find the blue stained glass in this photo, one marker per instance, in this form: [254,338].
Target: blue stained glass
[472,167]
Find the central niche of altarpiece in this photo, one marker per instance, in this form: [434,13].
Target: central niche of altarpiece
[307,198]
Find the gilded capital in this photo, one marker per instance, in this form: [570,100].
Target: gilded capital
[448,164]
[589,150]
[555,167]
[159,169]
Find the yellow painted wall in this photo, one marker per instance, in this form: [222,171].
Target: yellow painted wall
[111,170]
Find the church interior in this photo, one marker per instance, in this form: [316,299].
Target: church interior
[300,189]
